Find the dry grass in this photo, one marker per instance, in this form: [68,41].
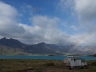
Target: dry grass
[21,65]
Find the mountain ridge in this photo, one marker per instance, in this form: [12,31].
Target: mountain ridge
[40,48]
[11,45]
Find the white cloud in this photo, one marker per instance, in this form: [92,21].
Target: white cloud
[74,27]
[8,21]
[27,9]
[86,9]
[46,29]
[44,21]
[7,10]
[43,28]
[65,5]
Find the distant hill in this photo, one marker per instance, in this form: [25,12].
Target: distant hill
[5,50]
[15,47]
[9,46]
[40,48]
[11,43]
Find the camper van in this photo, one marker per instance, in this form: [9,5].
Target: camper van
[72,62]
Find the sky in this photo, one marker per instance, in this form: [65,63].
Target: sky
[62,22]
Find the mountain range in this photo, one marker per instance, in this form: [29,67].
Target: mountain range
[15,47]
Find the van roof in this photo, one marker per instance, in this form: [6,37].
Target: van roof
[73,57]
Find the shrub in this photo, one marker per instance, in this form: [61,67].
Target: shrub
[38,70]
[50,64]
[93,64]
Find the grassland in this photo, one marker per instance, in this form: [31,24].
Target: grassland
[21,65]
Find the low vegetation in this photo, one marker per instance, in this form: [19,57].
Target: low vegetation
[25,65]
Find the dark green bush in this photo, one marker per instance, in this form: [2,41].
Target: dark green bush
[50,64]
[38,70]
[93,64]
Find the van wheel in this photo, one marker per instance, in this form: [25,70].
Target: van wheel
[70,68]
[85,67]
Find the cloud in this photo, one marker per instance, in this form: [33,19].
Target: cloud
[65,5]
[86,12]
[74,27]
[27,9]
[43,28]
[8,20]
[86,9]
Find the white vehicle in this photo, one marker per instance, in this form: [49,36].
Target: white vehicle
[75,62]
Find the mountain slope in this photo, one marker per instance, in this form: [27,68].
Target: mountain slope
[15,45]
[11,43]
[40,48]
[5,50]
